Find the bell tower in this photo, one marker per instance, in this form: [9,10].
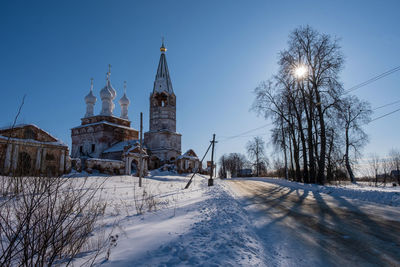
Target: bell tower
[162,139]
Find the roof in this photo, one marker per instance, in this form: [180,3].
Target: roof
[103,122]
[162,81]
[190,154]
[120,146]
[56,143]
[22,125]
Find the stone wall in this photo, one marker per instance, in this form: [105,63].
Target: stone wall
[26,158]
[164,145]
[94,139]
[106,166]
[162,112]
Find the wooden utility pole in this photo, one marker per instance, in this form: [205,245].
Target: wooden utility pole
[140,150]
[211,181]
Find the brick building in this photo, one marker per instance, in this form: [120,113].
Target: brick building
[27,150]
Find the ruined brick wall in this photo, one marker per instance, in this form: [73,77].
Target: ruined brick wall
[24,158]
[105,166]
[162,112]
[92,140]
[166,146]
[3,148]
[117,155]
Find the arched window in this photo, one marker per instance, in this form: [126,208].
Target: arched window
[50,157]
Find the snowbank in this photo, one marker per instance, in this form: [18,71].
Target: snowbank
[198,226]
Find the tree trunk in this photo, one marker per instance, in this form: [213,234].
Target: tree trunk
[284,150]
[346,157]
[321,162]
[310,144]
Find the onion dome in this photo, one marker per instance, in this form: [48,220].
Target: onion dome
[90,98]
[108,92]
[124,99]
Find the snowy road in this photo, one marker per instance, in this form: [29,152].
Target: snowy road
[299,227]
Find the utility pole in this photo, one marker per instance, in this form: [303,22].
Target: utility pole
[211,181]
[140,150]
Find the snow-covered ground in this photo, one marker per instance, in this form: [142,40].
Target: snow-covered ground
[197,226]
[387,195]
[203,226]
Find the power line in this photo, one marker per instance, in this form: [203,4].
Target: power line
[246,132]
[351,89]
[384,115]
[380,76]
[386,105]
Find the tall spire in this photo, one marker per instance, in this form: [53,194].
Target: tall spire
[162,82]
[162,48]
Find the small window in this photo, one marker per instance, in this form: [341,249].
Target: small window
[29,134]
[50,157]
[81,149]
[93,147]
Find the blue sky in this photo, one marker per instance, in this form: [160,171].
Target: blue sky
[218,51]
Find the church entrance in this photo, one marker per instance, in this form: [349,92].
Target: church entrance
[134,167]
[154,163]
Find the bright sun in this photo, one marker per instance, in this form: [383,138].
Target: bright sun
[300,71]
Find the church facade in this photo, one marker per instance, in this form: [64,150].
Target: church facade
[106,137]
[162,140]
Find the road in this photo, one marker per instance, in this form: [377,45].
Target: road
[304,228]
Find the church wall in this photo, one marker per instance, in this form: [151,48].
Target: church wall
[101,136]
[106,166]
[117,155]
[164,145]
[21,157]
[162,118]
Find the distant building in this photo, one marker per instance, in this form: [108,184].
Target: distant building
[188,162]
[109,143]
[245,172]
[395,173]
[27,150]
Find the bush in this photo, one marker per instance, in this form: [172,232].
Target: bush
[45,221]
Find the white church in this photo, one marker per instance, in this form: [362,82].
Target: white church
[107,143]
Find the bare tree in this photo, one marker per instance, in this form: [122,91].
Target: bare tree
[234,162]
[385,165]
[304,101]
[47,220]
[374,163]
[395,163]
[256,152]
[354,113]
[222,173]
